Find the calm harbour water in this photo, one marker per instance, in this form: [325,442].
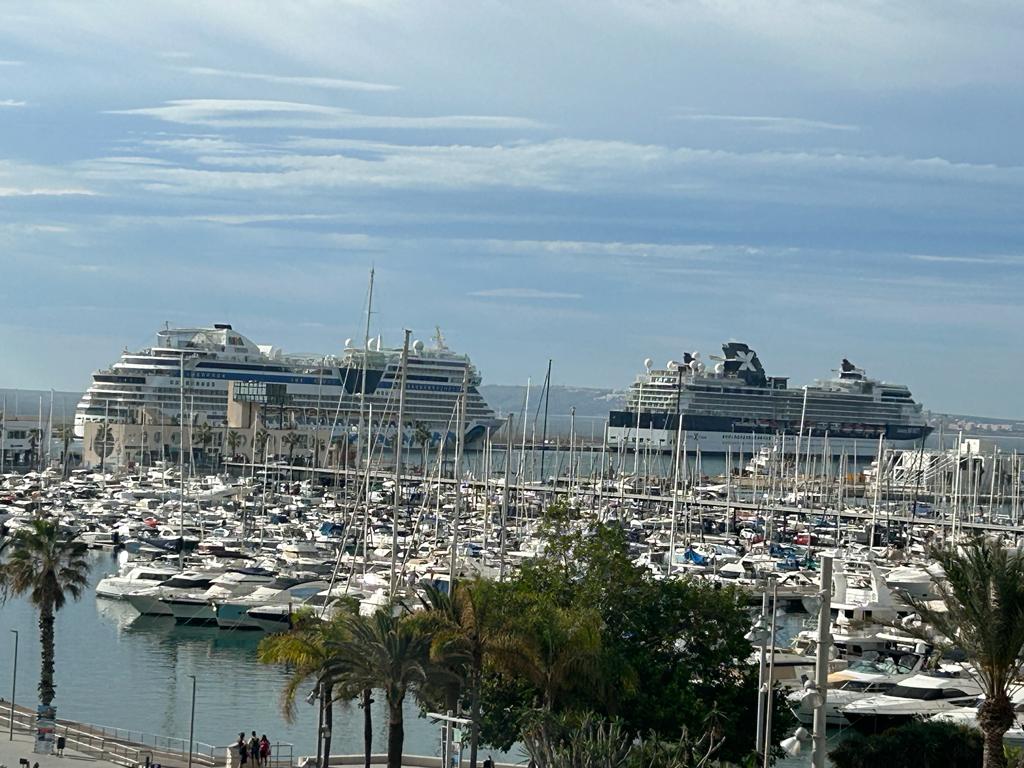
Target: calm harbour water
[117,668]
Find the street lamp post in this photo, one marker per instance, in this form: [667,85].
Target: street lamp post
[14,684]
[821,663]
[192,721]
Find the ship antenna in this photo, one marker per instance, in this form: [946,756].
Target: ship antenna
[439,338]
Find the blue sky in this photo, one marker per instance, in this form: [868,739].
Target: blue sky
[595,182]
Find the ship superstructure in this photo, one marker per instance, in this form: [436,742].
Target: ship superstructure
[735,405]
[361,385]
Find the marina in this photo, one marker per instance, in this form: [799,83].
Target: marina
[256,542]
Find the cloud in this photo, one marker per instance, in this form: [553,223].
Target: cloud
[997,259]
[43,192]
[523,293]
[769,123]
[12,103]
[265,113]
[315,82]
[592,168]
[11,63]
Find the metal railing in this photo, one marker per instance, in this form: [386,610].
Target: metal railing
[131,748]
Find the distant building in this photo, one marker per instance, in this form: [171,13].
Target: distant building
[22,447]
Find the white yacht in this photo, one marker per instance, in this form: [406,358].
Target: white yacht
[862,679]
[133,577]
[232,612]
[196,607]
[149,601]
[918,696]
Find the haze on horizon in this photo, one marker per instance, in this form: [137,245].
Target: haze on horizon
[594,182]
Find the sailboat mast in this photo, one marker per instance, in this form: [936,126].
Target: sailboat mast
[460,440]
[544,428]
[362,387]
[181,460]
[398,464]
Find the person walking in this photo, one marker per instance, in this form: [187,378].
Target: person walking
[264,751]
[243,750]
[254,749]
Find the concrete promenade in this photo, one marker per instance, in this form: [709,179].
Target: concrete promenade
[103,746]
[12,752]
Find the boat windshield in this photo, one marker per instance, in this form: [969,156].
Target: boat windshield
[925,694]
[884,665]
[179,581]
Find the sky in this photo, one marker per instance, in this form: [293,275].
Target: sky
[590,181]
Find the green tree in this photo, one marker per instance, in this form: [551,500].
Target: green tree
[292,440]
[556,649]
[423,437]
[43,563]
[262,441]
[914,745]
[671,652]
[234,439]
[34,448]
[389,652]
[65,433]
[983,593]
[467,626]
[204,436]
[306,649]
[590,742]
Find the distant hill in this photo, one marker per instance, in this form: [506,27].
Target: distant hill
[25,402]
[591,404]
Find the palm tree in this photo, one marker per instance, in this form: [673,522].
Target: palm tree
[204,435]
[306,648]
[262,441]
[33,441]
[556,649]
[234,440]
[48,566]
[423,437]
[292,440]
[65,433]
[466,626]
[983,592]
[103,444]
[389,652]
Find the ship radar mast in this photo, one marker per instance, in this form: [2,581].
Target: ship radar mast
[439,340]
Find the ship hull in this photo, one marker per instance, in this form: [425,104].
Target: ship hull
[658,433]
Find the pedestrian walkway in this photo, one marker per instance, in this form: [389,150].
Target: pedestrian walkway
[104,746]
[13,752]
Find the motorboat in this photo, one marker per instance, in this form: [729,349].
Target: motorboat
[196,607]
[151,601]
[918,696]
[869,676]
[133,577]
[232,613]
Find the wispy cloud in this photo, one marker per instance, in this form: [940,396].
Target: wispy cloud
[315,82]
[769,123]
[12,103]
[11,63]
[263,113]
[995,259]
[43,192]
[523,293]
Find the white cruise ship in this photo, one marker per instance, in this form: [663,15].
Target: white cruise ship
[735,406]
[322,392]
